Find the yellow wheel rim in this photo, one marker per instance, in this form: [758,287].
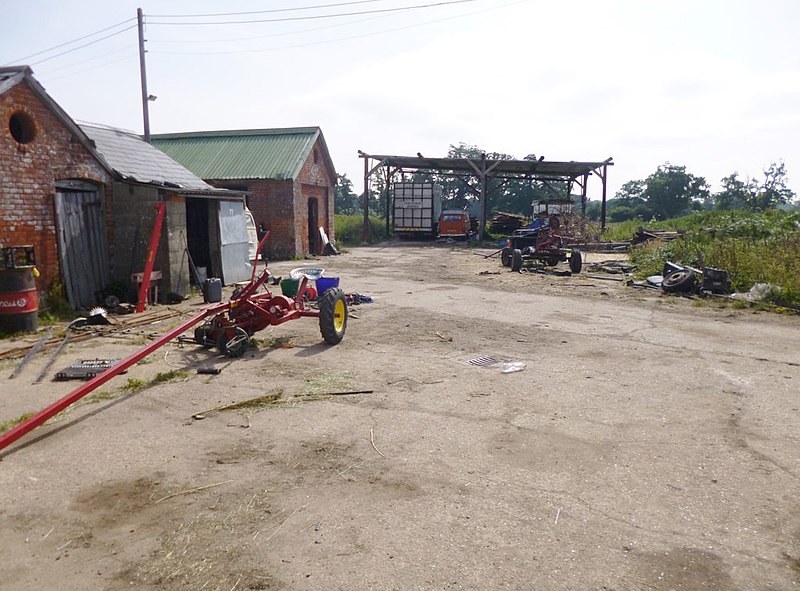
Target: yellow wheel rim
[339,315]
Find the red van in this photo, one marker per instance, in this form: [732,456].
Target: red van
[454,223]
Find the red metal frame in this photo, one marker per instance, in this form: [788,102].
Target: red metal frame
[161,210]
[247,310]
[42,416]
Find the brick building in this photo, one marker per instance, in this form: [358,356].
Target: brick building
[46,164]
[83,197]
[288,174]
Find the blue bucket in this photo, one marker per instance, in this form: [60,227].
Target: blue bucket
[325,283]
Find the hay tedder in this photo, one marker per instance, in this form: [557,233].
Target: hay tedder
[226,325]
[248,312]
[543,245]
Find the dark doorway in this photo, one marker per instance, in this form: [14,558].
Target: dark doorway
[313,226]
[197,234]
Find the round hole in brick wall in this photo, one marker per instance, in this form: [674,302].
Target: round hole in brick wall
[22,127]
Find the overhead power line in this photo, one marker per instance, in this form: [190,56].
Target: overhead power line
[47,59]
[274,10]
[131,56]
[328,41]
[206,40]
[60,45]
[312,17]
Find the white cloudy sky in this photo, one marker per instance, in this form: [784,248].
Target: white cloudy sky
[710,84]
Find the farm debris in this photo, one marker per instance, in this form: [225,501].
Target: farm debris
[760,292]
[354,299]
[191,491]
[512,367]
[506,223]
[685,279]
[252,403]
[545,271]
[85,369]
[97,317]
[348,393]
[613,267]
[33,351]
[715,281]
[644,235]
[122,326]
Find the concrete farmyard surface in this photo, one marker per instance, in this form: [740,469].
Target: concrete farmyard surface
[648,444]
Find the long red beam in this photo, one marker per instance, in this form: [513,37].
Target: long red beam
[42,416]
[141,304]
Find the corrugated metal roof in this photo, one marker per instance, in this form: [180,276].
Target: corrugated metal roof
[537,169]
[135,160]
[243,154]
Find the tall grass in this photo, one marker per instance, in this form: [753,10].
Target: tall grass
[350,229]
[752,247]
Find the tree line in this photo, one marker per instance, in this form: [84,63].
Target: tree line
[670,191]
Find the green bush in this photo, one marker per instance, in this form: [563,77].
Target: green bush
[350,229]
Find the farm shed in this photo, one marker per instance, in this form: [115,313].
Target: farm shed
[478,171]
[206,221]
[83,195]
[288,174]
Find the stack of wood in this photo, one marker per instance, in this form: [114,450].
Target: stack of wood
[644,235]
[506,223]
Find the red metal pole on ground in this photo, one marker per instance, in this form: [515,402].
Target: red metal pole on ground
[161,210]
[23,428]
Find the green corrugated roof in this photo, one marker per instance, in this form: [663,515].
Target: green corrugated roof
[242,154]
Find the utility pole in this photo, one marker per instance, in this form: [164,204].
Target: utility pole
[143,71]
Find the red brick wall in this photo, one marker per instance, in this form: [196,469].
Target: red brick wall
[28,173]
[317,171]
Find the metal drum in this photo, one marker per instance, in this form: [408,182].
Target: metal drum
[19,300]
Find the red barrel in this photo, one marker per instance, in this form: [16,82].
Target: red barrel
[19,301]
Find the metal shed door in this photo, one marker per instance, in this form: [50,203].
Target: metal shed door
[233,242]
[83,252]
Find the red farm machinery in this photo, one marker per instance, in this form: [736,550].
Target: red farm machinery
[228,326]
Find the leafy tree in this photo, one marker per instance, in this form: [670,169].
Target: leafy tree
[630,194]
[772,191]
[670,190]
[345,200]
[735,192]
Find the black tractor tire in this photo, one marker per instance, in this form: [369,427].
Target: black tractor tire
[551,261]
[333,316]
[516,260]
[682,281]
[239,336]
[505,257]
[575,262]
